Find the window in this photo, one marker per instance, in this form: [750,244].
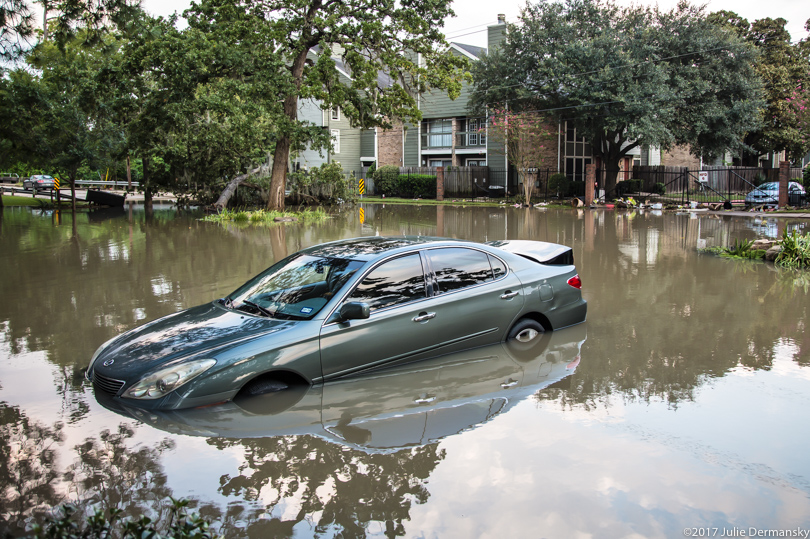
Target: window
[472,136]
[336,140]
[498,268]
[440,133]
[397,281]
[335,113]
[457,268]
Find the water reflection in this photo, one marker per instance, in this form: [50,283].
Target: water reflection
[392,409]
[694,386]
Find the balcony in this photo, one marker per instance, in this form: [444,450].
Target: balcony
[465,140]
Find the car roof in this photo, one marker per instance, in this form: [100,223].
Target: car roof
[372,247]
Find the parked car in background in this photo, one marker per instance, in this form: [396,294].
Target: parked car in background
[39,182]
[339,309]
[768,194]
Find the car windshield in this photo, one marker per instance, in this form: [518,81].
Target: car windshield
[770,186]
[296,288]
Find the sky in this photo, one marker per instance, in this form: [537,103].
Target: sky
[473,16]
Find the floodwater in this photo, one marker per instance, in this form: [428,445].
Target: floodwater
[681,407]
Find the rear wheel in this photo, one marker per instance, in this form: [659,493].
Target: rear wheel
[525,330]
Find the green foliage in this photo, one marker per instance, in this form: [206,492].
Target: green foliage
[628,186]
[590,60]
[326,184]
[559,184]
[806,177]
[659,189]
[795,250]
[264,217]
[416,186]
[781,66]
[385,180]
[67,523]
[740,250]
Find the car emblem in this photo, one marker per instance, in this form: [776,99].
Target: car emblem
[108,362]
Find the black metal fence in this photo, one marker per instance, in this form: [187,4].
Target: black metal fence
[668,185]
[729,186]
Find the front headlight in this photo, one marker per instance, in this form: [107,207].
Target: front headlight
[167,380]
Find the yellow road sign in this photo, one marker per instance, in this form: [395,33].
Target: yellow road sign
[56,183]
[362,216]
[362,186]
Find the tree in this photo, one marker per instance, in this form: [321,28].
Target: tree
[401,39]
[780,66]
[626,77]
[524,136]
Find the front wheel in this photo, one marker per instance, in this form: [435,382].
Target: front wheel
[525,330]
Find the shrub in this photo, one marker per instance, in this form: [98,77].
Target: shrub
[806,177]
[416,186]
[385,180]
[558,183]
[659,189]
[326,183]
[628,186]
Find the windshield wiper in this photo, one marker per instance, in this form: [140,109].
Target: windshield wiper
[259,308]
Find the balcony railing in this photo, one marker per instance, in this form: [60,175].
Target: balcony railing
[464,140]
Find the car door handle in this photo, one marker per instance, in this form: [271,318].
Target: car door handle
[509,294]
[422,317]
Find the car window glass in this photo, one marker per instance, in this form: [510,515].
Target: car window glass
[458,268]
[297,287]
[396,281]
[498,267]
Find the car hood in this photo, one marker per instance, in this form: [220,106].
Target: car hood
[200,330]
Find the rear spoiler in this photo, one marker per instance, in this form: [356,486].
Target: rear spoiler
[549,254]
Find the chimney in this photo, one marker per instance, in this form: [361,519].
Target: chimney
[501,18]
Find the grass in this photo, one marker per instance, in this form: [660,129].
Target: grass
[264,217]
[11,200]
[795,251]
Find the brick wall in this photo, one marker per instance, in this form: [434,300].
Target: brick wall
[389,145]
[679,156]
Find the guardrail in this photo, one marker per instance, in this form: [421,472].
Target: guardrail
[106,183]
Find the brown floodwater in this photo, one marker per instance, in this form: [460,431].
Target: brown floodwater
[681,407]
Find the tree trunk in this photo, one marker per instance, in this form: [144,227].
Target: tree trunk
[147,189]
[278,179]
[230,189]
[611,173]
[129,174]
[72,179]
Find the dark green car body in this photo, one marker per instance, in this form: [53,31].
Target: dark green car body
[341,308]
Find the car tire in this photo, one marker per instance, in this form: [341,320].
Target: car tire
[526,330]
[262,386]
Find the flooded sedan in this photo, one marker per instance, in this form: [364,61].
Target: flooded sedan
[341,308]
[390,409]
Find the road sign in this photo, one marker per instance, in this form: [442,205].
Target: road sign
[362,186]
[56,183]
[362,216]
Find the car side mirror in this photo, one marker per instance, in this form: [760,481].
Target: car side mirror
[354,310]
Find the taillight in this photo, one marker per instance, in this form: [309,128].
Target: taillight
[575,281]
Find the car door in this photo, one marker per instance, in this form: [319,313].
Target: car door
[479,298]
[399,327]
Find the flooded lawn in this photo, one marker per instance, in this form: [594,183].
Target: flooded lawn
[681,407]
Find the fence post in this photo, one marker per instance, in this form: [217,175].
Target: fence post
[784,181]
[590,180]
[439,183]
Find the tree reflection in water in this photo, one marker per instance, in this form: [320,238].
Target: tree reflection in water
[348,489]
